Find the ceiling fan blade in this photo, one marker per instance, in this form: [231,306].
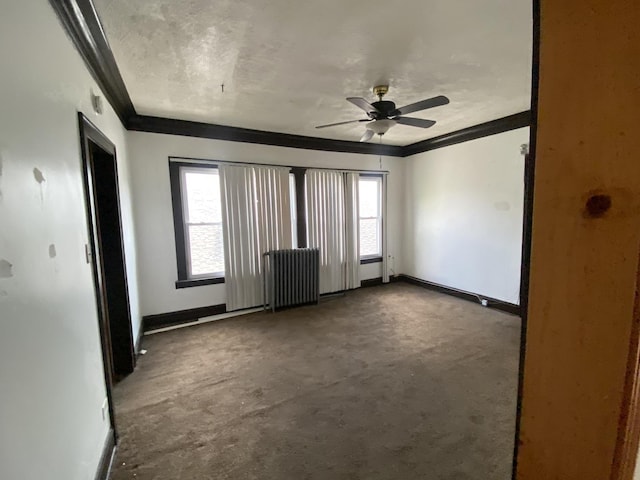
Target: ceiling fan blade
[363,104]
[415,122]
[423,105]
[367,136]
[344,123]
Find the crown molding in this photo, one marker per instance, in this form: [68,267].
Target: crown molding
[504,124]
[169,126]
[80,20]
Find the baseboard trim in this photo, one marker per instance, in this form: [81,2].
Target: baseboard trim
[371,282]
[170,319]
[511,308]
[106,459]
[507,307]
[151,323]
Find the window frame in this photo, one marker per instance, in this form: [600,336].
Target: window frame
[178,193]
[366,259]
[293,207]
[178,196]
[299,174]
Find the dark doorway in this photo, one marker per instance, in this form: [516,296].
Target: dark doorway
[106,252]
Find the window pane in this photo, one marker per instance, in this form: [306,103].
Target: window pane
[369,201]
[203,196]
[369,244]
[206,248]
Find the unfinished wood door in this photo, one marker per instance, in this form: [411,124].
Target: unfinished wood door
[581,338]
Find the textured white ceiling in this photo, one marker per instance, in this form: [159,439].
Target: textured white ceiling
[287,65]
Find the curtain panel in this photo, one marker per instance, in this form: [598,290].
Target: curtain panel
[332,227]
[256,217]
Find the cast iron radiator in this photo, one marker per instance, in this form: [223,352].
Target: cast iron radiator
[291,277]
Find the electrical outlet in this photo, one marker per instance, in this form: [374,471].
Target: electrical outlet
[105,407]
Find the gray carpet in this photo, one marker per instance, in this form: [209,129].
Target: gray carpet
[388,382]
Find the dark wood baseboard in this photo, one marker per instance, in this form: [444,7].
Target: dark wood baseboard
[511,308]
[371,282]
[170,319]
[106,459]
[473,297]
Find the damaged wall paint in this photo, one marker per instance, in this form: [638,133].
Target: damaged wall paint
[502,206]
[37,174]
[6,269]
[49,319]
[52,251]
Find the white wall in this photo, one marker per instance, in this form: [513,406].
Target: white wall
[153,213]
[464,215]
[51,375]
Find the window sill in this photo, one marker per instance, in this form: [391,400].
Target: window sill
[198,282]
[364,261]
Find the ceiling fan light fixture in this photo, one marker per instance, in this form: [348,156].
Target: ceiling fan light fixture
[380,127]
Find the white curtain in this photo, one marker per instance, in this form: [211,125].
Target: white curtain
[332,227]
[385,255]
[256,217]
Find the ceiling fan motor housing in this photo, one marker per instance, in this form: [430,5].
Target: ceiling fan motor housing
[385,109]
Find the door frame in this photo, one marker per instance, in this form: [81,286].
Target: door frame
[579,393]
[90,133]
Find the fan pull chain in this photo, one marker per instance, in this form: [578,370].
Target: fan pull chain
[380,154]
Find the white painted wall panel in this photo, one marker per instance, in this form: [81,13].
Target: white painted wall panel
[464,215]
[51,375]
[154,219]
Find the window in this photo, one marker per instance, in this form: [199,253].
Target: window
[202,216]
[197,213]
[370,206]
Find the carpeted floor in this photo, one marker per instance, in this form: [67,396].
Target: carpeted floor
[389,382]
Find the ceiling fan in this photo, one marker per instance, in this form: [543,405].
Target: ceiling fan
[383,114]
